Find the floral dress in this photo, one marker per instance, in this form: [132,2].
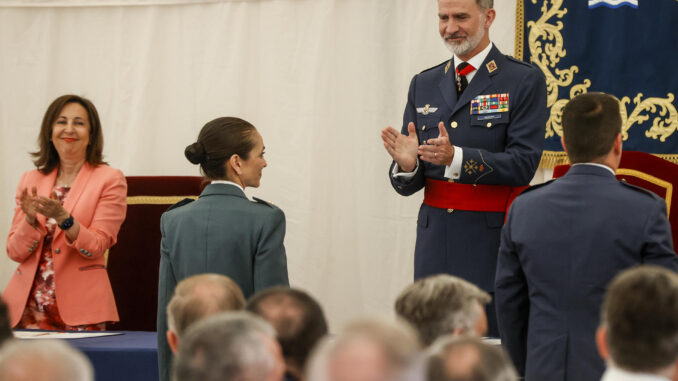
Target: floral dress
[41,310]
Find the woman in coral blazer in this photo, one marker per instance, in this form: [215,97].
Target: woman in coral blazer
[68,213]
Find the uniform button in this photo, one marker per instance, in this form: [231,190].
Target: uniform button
[423,127]
[489,124]
[450,180]
[57,251]
[450,210]
[454,124]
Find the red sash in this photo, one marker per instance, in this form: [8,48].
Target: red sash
[479,198]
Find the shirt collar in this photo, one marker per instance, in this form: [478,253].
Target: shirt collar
[597,165]
[615,374]
[227,182]
[477,60]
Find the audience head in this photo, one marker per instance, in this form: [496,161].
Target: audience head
[231,149]
[5,328]
[591,127]
[48,156]
[232,346]
[639,324]
[443,304]
[455,358]
[368,350]
[298,319]
[198,297]
[43,360]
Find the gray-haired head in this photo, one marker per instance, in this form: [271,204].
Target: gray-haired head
[372,349]
[199,296]
[458,358]
[443,304]
[639,317]
[43,360]
[236,346]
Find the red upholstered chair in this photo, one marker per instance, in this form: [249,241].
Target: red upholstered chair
[649,172]
[133,262]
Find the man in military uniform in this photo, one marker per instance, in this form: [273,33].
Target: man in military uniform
[473,131]
[564,241]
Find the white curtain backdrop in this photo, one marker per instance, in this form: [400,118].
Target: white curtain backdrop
[319,79]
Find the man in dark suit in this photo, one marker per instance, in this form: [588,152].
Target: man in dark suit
[562,243]
[473,130]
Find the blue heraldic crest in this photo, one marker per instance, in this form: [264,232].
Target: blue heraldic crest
[627,48]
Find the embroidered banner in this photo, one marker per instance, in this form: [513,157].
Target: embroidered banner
[628,48]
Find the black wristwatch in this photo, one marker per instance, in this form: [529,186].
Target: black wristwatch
[67,223]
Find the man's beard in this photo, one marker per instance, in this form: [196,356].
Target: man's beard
[468,44]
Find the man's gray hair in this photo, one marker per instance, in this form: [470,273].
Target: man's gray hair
[459,358]
[482,4]
[485,4]
[640,315]
[43,360]
[395,340]
[199,296]
[223,347]
[439,304]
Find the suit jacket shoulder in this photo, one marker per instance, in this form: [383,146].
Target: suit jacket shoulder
[438,66]
[638,189]
[264,202]
[180,203]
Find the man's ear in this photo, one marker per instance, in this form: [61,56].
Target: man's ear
[618,144]
[562,141]
[173,341]
[490,15]
[601,342]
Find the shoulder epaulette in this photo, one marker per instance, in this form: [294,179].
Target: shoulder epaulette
[181,203]
[260,201]
[639,189]
[514,59]
[537,186]
[436,66]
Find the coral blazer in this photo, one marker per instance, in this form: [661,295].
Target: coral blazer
[97,200]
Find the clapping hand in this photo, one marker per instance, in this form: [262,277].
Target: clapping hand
[50,207]
[438,150]
[27,204]
[402,148]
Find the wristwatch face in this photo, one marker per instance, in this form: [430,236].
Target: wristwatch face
[67,223]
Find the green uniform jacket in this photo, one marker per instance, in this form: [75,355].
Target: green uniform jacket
[222,232]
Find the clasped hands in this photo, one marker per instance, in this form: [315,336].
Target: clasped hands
[404,149]
[50,207]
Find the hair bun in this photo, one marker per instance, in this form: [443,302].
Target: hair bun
[195,153]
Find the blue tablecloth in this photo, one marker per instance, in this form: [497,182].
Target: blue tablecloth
[132,356]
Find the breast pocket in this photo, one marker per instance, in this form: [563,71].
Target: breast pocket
[427,127]
[489,130]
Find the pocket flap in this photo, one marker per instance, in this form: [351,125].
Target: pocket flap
[489,120]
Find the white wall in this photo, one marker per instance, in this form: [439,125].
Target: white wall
[319,79]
